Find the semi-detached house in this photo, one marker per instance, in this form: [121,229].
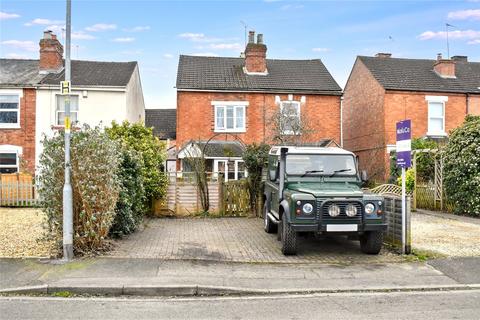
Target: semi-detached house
[233,99]
[435,94]
[31,105]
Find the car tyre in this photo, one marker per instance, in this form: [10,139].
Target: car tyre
[289,239]
[268,225]
[371,242]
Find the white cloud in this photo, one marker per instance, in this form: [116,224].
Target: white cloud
[56,28]
[476,41]
[198,37]
[125,39]
[43,22]
[168,55]
[137,29]
[473,14]
[18,44]
[101,27]
[205,54]
[6,15]
[225,46]
[321,49]
[291,7]
[456,34]
[81,35]
[16,56]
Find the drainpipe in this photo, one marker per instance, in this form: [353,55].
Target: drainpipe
[341,121]
[467,104]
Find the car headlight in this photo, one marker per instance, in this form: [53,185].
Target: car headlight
[369,208]
[351,210]
[307,208]
[334,210]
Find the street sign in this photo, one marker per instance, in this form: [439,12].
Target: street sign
[404,143]
[65,87]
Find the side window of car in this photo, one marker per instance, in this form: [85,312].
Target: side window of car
[272,168]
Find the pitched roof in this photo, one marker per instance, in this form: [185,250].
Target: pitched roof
[84,73]
[218,148]
[96,73]
[163,121]
[418,75]
[220,73]
[19,72]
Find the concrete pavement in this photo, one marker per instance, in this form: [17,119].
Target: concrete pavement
[171,278]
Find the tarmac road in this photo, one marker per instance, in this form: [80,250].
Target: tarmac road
[395,305]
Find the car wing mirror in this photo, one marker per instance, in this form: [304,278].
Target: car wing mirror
[364,176]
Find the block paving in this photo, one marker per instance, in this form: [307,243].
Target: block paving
[235,240]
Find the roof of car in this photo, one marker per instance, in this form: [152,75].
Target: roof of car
[309,150]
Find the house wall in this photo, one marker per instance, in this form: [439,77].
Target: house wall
[363,120]
[98,107]
[135,104]
[195,115]
[23,137]
[474,105]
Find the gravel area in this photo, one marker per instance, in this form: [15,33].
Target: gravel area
[444,233]
[21,234]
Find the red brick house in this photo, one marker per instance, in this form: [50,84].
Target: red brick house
[235,98]
[435,94]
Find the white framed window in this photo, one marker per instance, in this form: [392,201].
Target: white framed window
[9,110]
[290,117]
[436,115]
[230,116]
[9,158]
[60,109]
[240,170]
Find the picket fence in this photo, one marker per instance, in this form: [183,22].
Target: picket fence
[18,190]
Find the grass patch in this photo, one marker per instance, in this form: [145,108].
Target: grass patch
[62,294]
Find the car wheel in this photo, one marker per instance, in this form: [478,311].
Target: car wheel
[289,239]
[268,225]
[371,242]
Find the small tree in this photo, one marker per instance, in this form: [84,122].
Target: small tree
[255,158]
[95,184]
[151,149]
[462,167]
[289,127]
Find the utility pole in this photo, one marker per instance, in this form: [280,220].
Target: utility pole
[67,188]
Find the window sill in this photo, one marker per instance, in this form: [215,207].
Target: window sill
[57,127]
[230,131]
[15,126]
[437,134]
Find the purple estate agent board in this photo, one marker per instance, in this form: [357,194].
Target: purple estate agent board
[404,143]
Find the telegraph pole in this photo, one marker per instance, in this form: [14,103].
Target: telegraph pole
[67,188]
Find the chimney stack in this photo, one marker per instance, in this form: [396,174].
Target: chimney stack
[51,53]
[383,55]
[445,68]
[460,58]
[255,54]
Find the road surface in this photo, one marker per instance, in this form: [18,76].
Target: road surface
[399,305]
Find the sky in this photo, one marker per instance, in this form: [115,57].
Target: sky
[155,33]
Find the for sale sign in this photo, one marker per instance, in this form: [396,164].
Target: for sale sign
[404,143]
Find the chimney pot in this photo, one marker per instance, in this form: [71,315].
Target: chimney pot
[47,34]
[251,37]
[383,55]
[260,38]
[439,56]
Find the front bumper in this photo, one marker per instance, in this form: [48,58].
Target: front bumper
[319,228]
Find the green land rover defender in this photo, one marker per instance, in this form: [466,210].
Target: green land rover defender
[318,190]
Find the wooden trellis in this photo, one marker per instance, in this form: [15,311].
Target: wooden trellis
[236,198]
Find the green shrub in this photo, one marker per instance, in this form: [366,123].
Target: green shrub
[409,180]
[152,151]
[462,167]
[130,207]
[255,158]
[95,160]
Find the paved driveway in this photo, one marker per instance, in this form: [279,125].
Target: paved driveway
[235,239]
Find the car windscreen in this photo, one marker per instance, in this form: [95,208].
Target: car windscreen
[321,164]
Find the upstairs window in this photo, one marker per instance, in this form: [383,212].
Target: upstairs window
[61,109]
[290,117]
[436,116]
[229,117]
[9,111]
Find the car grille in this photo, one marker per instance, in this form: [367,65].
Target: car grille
[324,217]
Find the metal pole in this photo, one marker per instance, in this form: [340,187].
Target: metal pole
[67,188]
[448,44]
[404,206]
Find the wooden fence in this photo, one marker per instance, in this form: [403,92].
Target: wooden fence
[17,190]
[236,198]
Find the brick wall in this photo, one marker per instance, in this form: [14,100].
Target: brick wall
[363,120]
[474,105]
[24,136]
[195,115]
